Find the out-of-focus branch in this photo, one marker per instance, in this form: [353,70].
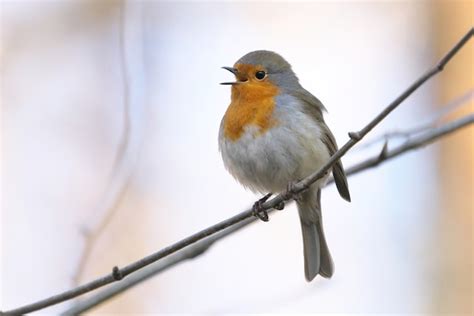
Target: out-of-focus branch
[132,72]
[428,124]
[185,254]
[120,175]
[201,247]
[118,274]
[413,143]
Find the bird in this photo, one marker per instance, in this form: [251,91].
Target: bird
[272,135]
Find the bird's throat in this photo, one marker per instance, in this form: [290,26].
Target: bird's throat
[252,104]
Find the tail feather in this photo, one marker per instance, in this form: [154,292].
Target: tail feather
[327,265]
[317,259]
[311,248]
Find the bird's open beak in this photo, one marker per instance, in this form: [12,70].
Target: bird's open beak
[232,70]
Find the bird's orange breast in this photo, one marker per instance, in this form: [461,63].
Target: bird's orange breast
[252,103]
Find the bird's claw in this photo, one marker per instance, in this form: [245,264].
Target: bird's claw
[258,211]
[280,206]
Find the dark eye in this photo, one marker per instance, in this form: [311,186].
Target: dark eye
[260,75]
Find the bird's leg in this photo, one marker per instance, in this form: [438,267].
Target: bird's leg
[289,189]
[258,210]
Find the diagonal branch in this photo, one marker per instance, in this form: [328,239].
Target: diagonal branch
[201,247]
[414,143]
[433,119]
[118,274]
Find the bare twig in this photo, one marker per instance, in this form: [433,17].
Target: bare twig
[201,247]
[185,254]
[430,122]
[414,143]
[118,274]
[120,175]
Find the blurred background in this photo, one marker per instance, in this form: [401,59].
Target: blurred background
[110,114]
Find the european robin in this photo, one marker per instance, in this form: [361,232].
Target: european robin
[273,134]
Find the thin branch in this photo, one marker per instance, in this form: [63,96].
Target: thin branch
[201,247]
[118,274]
[355,137]
[431,121]
[185,254]
[414,143]
[116,188]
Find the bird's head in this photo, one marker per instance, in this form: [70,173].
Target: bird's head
[262,70]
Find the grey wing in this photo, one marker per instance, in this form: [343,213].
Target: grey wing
[315,109]
[337,169]
[314,105]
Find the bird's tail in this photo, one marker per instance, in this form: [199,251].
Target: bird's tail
[317,259]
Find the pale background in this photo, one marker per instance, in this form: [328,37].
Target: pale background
[404,244]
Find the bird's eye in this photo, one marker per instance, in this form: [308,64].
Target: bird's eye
[260,75]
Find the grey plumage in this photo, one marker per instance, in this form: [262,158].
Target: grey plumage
[337,170]
[299,144]
[317,258]
[281,73]
[315,108]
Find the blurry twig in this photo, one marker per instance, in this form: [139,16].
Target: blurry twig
[118,274]
[431,121]
[202,246]
[188,253]
[413,143]
[120,175]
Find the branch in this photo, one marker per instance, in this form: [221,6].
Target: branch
[431,122]
[118,274]
[188,253]
[201,247]
[117,184]
[414,143]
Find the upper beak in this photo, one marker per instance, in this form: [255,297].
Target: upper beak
[232,70]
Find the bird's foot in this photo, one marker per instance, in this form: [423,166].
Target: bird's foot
[280,206]
[257,208]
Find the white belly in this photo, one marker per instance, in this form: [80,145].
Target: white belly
[268,162]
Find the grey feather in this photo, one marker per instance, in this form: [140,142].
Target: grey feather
[311,250]
[337,169]
[314,108]
[317,259]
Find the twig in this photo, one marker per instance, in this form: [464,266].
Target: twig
[430,122]
[414,143]
[116,188]
[201,247]
[117,274]
[357,136]
[188,253]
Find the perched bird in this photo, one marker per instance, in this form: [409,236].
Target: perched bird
[273,134]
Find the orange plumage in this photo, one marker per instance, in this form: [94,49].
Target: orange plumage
[251,104]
